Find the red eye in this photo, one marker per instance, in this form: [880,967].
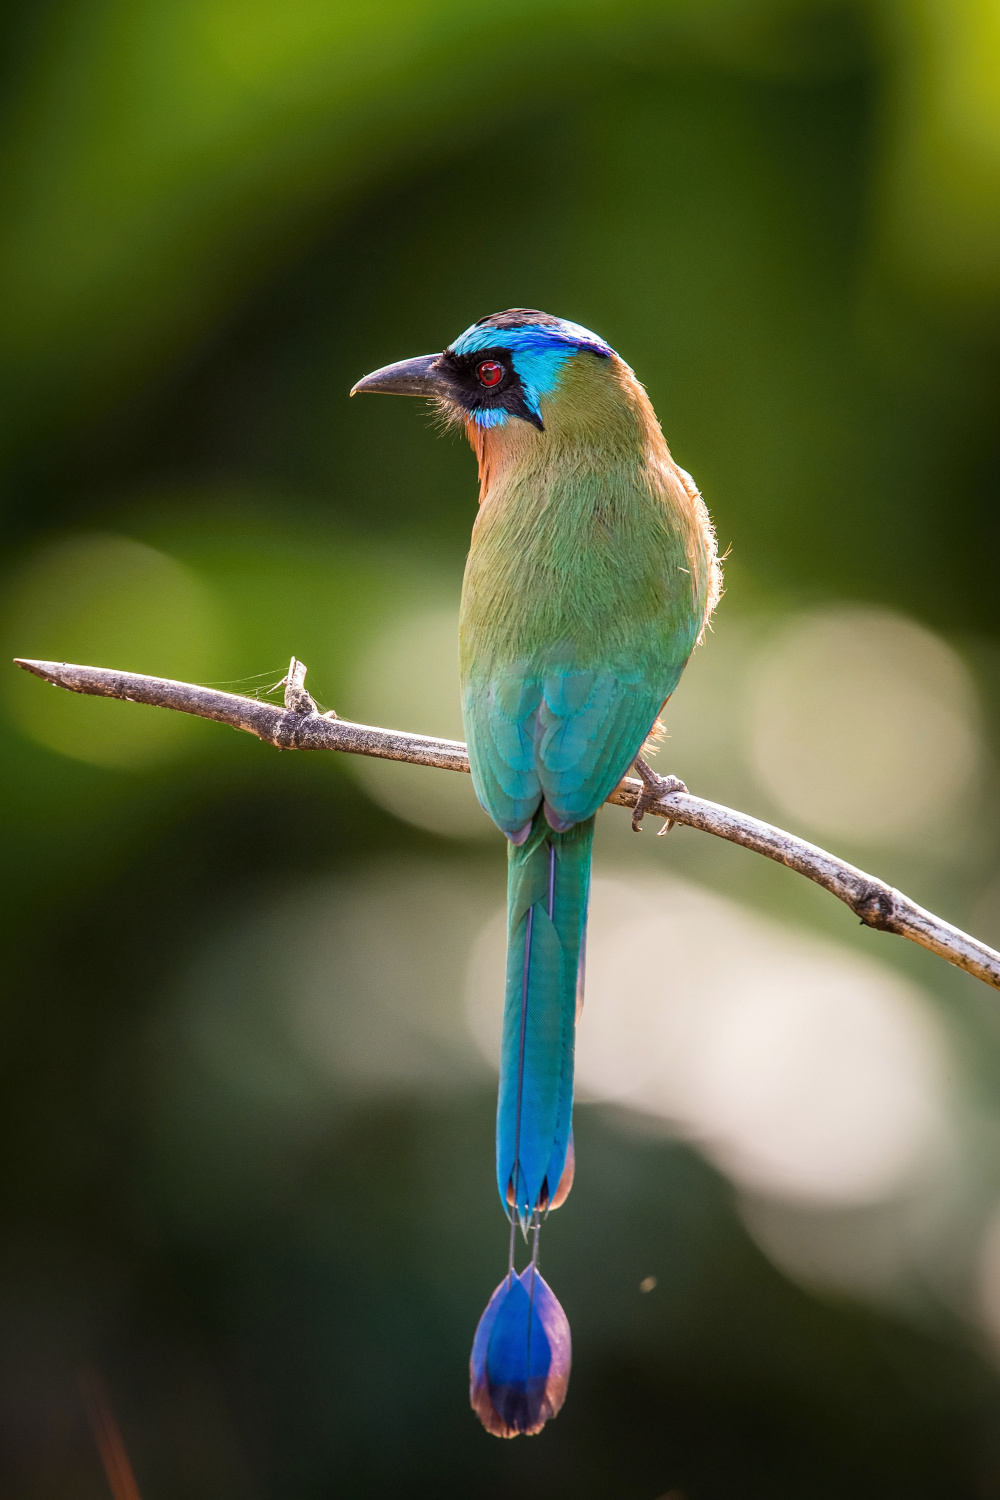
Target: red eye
[489,372]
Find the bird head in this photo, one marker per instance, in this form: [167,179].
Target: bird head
[504,369]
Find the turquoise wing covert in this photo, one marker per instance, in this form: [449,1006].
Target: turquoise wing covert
[566,736]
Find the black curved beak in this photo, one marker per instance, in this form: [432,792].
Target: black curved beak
[408,377]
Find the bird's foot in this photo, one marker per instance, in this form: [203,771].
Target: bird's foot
[653,788]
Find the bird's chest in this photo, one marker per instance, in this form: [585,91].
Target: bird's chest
[573,566]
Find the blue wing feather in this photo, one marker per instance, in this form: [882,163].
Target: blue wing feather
[568,737]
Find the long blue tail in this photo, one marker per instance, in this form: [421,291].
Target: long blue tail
[548,883]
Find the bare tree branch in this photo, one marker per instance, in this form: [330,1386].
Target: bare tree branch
[299,726]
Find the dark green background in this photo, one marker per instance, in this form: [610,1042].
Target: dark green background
[217,217]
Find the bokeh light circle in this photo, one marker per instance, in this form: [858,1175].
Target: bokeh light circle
[105,600]
[988,1280]
[865,725]
[805,1073]
[407,678]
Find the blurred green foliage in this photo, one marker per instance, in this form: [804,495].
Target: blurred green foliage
[786,215]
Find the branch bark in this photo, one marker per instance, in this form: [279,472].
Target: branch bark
[299,726]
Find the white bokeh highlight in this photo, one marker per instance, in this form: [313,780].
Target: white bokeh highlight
[407,678]
[805,1073]
[987,1281]
[863,724]
[107,600]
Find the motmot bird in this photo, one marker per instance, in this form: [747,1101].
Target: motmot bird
[591,576]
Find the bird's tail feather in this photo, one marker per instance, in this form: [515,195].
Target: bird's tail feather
[547,889]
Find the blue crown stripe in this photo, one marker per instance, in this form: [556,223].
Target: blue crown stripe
[539,352]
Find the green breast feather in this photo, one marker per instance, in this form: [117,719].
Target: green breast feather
[585,593]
